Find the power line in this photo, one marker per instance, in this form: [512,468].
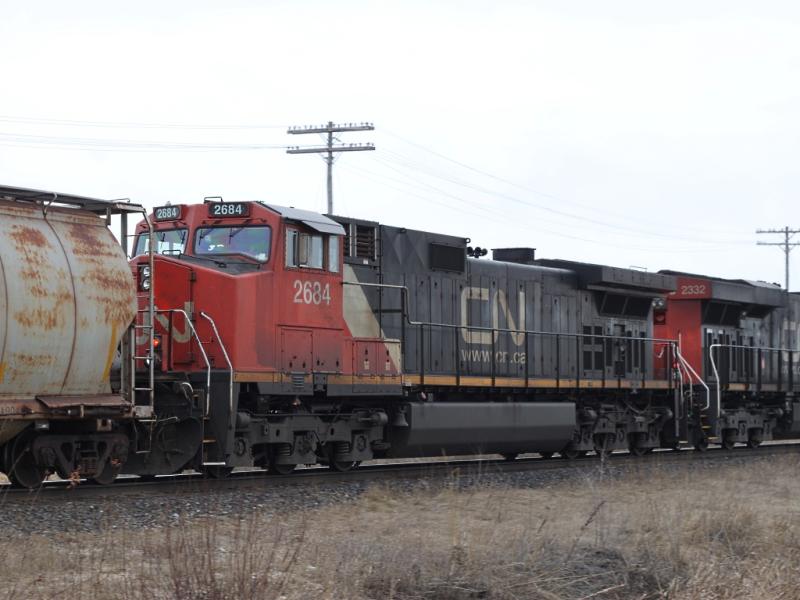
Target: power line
[123,144]
[492,216]
[569,215]
[329,147]
[786,245]
[129,124]
[544,194]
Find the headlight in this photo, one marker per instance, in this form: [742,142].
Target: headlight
[146,284]
[145,271]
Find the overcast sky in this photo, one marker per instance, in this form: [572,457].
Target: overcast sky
[654,134]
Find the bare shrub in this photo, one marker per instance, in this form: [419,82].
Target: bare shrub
[714,534]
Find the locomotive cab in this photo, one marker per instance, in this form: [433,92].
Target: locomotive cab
[268,277]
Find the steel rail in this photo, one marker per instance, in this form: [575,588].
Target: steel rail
[377,472]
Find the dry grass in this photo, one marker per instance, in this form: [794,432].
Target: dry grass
[727,533]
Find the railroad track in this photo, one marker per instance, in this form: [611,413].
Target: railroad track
[471,466]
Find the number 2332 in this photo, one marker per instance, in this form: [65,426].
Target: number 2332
[311,292]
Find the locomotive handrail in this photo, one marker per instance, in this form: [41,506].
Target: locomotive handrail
[760,349]
[202,351]
[406,318]
[227,359]
[690,370]
[150,310]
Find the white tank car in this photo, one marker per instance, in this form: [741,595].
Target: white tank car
[67,297]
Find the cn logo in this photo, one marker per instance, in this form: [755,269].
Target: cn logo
[498,305]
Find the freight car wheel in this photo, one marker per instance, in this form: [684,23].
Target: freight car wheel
[21,464]
[107,475]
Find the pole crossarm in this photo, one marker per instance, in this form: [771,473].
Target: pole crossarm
[343,148]
[786,245]
[331,128]
[329,149]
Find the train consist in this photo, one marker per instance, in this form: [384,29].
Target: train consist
[255,334]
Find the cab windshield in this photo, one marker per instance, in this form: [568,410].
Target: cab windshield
[168,241]
[252,242]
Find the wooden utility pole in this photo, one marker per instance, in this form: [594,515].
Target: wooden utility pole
[786,245]
[329,149]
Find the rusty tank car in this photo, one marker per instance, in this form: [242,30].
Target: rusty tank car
[68,299]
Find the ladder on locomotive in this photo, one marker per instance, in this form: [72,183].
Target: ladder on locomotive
[148,326]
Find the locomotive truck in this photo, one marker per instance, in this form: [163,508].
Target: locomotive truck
[262,335]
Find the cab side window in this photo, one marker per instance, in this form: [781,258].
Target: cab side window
[333,253]
[309,250]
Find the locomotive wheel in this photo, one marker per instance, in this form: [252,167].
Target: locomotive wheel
[217,471]
[280,469]
[634,448]
[701,445]
[343,466]
[21,464]
[570,452]
[728,442]
[637,450]
[509,456]
[602,445]
[276,468]
[546,454]
[754,441]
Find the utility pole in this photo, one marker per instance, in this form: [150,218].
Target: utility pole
[329,148]
[786,245]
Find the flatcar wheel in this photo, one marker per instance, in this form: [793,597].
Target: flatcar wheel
[22,468]
[509,456]
[217,471]
[107,475]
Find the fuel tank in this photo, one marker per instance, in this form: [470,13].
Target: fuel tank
[451,428]
[67,296]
